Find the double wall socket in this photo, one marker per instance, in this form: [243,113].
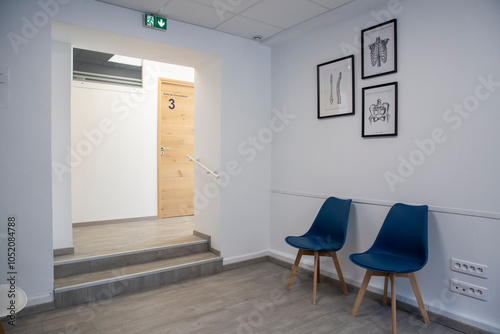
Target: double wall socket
[468,289]
[469,268]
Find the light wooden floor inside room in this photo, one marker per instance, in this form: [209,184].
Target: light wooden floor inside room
[250,299]
[97,240]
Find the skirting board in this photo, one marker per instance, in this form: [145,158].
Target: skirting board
[64,251]
[209,239]
[246,257]
[113,221]
[444,318]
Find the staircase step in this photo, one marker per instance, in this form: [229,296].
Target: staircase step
[66,266]
[103,284]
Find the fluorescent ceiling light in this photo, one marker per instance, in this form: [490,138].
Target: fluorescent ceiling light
[126,60]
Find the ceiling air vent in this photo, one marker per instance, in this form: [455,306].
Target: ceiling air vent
[105,68]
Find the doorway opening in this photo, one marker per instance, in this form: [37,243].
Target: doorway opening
[114,122]
[126,169]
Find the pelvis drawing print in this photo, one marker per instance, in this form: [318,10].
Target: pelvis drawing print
[379,112]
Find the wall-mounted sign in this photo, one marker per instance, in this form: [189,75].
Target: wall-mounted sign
[155,22]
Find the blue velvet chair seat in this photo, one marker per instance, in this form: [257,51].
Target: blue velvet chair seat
[314,243]
[387,263]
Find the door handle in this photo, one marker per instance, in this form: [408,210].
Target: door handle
[163,148]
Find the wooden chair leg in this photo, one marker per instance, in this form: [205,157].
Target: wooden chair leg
[386,283]
[361,293]
[315,279]
[294,269]
[339,272]
[416,291]
[393,301]
[319,270]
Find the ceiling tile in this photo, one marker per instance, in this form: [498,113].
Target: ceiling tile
[229,5]
[284,13]
[331,4]
[192,12]
[149,6]
[245,27]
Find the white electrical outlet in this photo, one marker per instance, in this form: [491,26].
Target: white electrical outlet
[469,268]
[468,289]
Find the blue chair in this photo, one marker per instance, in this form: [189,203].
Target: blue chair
[399,250]
[325,237]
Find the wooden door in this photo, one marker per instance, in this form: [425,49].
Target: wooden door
[175,141]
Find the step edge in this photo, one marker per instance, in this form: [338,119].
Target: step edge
[137,251]
[135,275]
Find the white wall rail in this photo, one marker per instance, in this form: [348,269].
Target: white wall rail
[213,173]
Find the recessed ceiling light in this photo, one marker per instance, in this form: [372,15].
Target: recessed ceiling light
[126,60]
[257,37]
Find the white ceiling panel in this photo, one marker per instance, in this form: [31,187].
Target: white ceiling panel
[192,12]
[233,6]
[244,18]
[331,4]
[245,27]
[148,6]
[284,13]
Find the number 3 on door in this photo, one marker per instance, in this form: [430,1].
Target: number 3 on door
[172,106]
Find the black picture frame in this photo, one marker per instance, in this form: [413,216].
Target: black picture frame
[380,110]
[335,87]
[379,50]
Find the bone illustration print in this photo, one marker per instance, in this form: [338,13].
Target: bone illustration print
[379,112]
[339,97]
[331,88]
[378,51]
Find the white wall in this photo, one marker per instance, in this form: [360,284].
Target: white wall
[114,153]
[445,48]
[61,133]
[25,134]
[208,98]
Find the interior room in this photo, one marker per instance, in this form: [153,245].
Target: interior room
[80,161]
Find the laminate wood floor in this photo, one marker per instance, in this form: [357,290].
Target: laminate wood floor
[250,299]
[97,240]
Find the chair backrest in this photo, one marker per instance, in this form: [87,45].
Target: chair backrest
[331,221]
[404,232]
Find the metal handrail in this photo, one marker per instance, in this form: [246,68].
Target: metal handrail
[203,166]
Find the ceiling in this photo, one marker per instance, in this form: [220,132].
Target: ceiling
[244,18]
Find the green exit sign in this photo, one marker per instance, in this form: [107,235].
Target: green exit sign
[155,22]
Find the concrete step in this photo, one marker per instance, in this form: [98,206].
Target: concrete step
[66,266]
[103,284]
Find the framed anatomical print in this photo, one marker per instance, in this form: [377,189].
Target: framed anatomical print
[336,87]
[380,110]
[379,50]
